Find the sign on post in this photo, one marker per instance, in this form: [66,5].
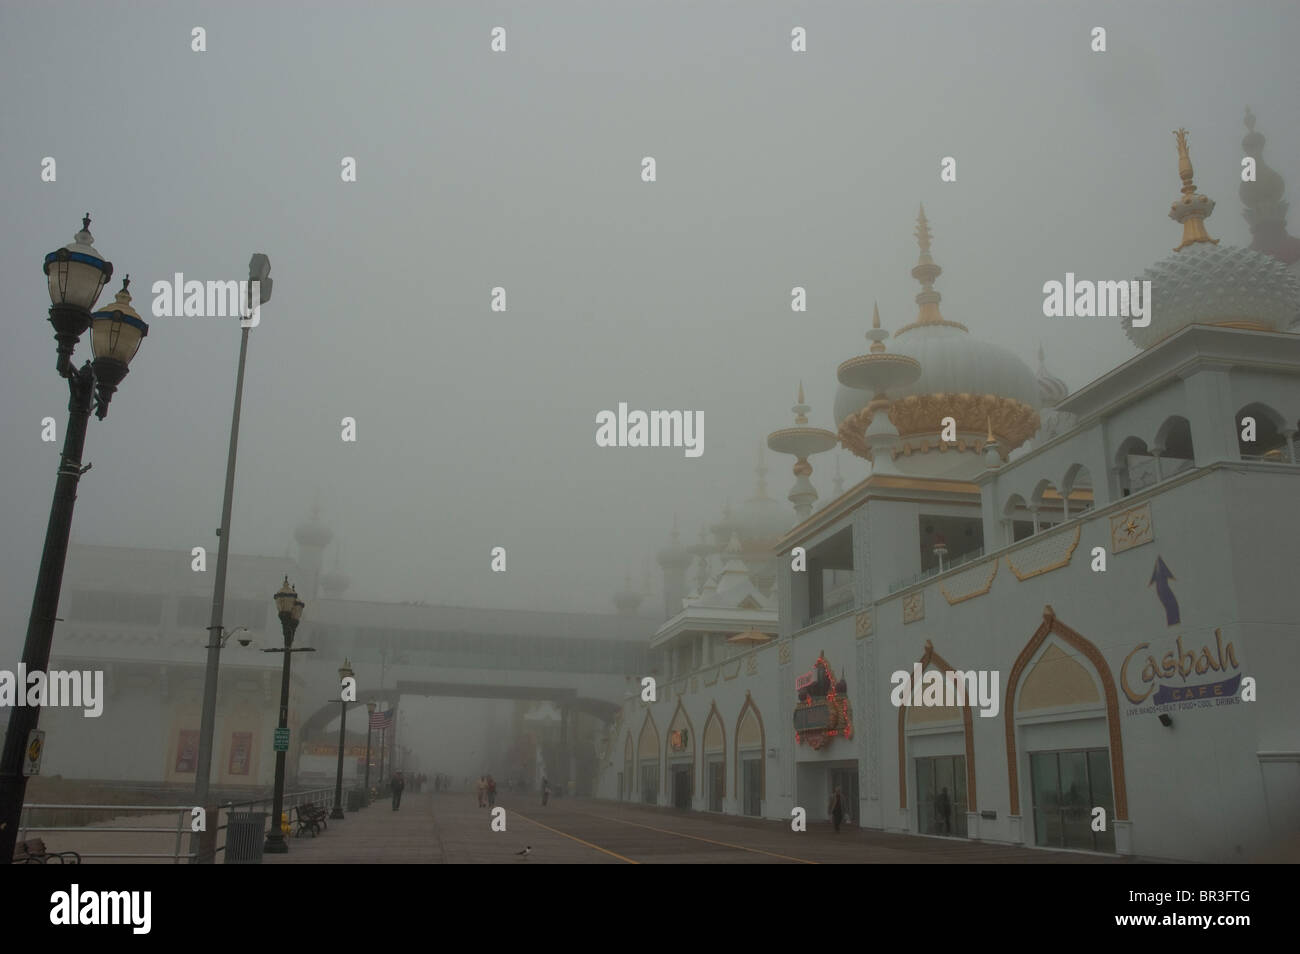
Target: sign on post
[281,740]
[32,754]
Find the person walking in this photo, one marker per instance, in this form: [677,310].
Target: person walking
[546,791]
[481,789]
[491,791]
[943,809]
[837,808]
[398,784]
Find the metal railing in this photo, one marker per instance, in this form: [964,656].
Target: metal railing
[184,816]
[976,554]
[184,813]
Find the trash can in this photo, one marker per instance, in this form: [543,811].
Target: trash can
[356,799]
[245,836]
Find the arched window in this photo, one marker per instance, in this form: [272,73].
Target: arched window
[1173,445]
[1076,488]
[1135,468]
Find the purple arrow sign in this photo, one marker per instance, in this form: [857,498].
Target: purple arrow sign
[1160,577]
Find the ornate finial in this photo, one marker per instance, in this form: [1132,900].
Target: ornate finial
[991,439]
[126,282]
[1193,209]
[801,408]
[925,272]
[923,235]
[878,338]
[800,396]
[85,222]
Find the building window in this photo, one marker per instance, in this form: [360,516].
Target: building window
[830,577]
[1067,786]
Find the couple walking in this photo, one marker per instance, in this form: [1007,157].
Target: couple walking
[487,791]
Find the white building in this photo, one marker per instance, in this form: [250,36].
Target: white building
[1157,689]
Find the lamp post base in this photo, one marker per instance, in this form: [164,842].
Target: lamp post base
[275,844]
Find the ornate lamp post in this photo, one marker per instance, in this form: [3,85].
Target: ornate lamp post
[345,671]
[76,274]
[290,609]
[370,709]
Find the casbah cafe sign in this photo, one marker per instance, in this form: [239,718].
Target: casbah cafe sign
[1141,675]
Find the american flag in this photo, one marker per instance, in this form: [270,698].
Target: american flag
[382,720]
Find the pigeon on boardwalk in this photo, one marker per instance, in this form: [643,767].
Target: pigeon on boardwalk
[526,852]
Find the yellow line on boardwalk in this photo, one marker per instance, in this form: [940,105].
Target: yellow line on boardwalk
[612,854]
[760,851]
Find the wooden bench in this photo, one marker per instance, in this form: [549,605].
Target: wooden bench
[311,818]
[34,852]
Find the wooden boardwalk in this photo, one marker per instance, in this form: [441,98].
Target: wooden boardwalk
[452,829]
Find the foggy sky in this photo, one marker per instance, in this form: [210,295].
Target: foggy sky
[522,169]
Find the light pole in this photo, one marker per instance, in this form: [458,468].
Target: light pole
[76,274]
[370,709]
[345,671]
[290,607]
[259,270]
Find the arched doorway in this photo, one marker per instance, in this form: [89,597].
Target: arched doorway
[751,774]
[681,758]
[1064,741]
[647,754]
[715,759]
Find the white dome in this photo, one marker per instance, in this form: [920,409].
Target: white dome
[1216,285]
[952,362]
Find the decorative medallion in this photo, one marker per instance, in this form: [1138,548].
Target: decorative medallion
[751,665]
[1130,529]
[862,624]
[823,710]
[914,606]
[785,652]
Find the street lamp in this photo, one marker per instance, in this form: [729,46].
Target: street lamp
[345,672]
[290,609]
[370,708]
[76,274]
[259,270]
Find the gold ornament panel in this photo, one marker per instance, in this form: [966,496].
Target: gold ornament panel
[1130,529]
[921,415]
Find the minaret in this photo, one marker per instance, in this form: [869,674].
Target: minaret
[802,441]
[673,560]
[1192,209]
[880,373]
[1265,207]
[313,537]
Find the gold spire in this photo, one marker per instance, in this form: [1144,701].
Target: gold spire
[800,408]
[877,345]
[925,272]
[1193,209]
[991,439]
[801,391]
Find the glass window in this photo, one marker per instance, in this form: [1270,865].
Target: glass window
[1067,786]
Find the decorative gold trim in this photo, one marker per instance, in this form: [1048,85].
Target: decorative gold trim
[751,665]
[734,673]
[785,652]
[988,585]
[928,657]
[1049,625]
[862,624]
[717,671]
[1069,554]
[914,607]
[1132,528]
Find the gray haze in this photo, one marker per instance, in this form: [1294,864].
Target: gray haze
[522,169]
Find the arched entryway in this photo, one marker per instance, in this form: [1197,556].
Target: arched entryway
[936,760]
[647,761]
[681,759]
[1065,754]
[715,760]
[751,769]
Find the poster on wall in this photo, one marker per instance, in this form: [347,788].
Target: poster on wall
[241,746]
[187,750]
